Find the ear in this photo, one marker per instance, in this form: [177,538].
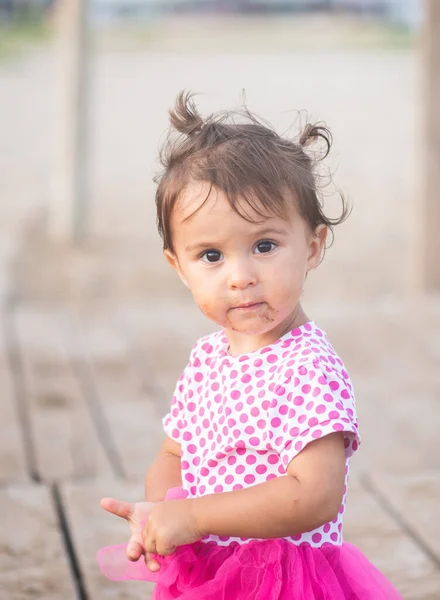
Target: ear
[316,246]
[173,261]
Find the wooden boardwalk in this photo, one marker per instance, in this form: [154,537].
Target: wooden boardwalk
[80,411]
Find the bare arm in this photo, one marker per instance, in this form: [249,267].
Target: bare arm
[164,473]
[304,499]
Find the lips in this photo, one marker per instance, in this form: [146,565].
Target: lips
[248,305]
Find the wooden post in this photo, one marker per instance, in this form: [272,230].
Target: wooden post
[68,218]
[430,231]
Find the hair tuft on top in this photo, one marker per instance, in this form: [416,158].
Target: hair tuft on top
[315,133]
[185,118]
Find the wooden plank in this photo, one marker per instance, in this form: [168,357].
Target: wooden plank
[128,405]
[379,537]
[12,453]
[384,339]
[93,528]
[67,445]
[396,379]
[390,415]
[33,562]
[161,334]
[416,497]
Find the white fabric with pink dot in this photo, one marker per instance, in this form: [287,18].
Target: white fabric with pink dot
[240,421]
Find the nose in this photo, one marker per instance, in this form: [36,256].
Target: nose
[242,274]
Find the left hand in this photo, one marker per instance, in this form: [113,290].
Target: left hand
[170,524]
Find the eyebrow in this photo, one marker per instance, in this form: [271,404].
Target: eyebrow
[259,233]
[269,231]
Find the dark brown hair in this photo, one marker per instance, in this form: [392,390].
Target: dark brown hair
[249,162]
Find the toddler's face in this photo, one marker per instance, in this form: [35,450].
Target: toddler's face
[247,277]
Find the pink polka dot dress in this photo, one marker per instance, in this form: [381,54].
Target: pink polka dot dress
[240,421]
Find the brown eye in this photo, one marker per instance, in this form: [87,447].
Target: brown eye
[265,246]
[211,256]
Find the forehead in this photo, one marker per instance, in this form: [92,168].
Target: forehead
[202,205]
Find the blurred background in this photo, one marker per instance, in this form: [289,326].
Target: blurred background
[96,328]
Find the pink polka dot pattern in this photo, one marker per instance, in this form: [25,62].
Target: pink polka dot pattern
[265,408]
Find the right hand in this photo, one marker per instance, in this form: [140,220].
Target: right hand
[136,515]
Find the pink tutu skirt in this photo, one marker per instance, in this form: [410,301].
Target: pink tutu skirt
[259,570]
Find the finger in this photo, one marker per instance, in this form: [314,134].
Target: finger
[165,549]
[118,508]
[134,549]
[149,542]
[155,545]
[151,562]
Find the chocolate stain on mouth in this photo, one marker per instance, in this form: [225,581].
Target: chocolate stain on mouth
[266,317]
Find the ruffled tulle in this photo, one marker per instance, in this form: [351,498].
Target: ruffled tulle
[258,570]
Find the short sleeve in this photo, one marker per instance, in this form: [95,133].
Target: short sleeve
[175,421]
[318,401]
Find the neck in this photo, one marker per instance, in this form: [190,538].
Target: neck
[242,343]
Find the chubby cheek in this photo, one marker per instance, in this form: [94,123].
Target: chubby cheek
[208,303]
[283,294]
[207,309]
